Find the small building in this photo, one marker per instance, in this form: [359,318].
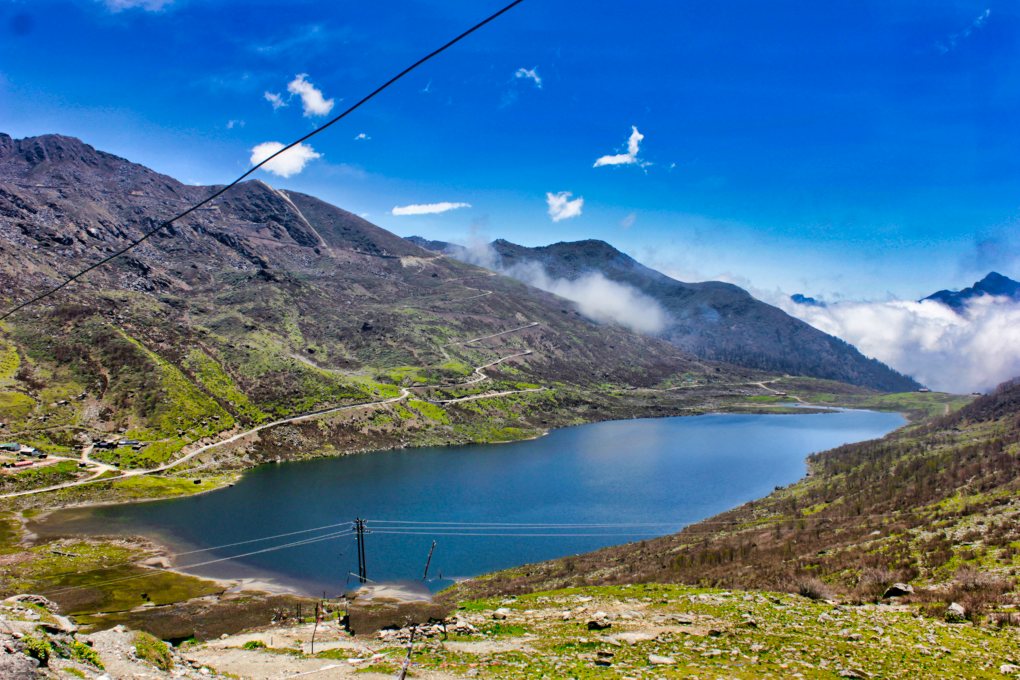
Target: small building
[923,389]
[10,446]
[23,464]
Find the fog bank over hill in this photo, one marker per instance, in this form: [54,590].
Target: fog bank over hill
[711,319]
[972,345]
[597,297]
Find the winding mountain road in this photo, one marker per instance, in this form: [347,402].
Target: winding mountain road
[404,394]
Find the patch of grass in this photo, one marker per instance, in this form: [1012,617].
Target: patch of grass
[212,376]
[85,654]
[9,362]
[429,411]
[153,650]
[33,477]
[16,406]
[181,406]
[151,486]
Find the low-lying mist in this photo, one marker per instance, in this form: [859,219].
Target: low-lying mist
[974,350]
[596,296]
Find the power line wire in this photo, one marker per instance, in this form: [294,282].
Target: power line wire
[219,192]
[114,565]
[144,574]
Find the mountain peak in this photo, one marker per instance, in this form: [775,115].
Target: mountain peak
[994,284]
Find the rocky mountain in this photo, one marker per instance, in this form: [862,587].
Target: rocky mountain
[712,320]
[270,303]
[994,284]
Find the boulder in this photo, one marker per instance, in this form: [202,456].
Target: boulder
[656,660]
[501,613]
[956,613]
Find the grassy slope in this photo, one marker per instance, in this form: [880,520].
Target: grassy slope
[936,504]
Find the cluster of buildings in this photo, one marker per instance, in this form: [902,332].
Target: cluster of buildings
[23,456]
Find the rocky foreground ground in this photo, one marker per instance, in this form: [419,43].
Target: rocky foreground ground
[646,631]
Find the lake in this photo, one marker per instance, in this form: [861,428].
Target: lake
[487,507]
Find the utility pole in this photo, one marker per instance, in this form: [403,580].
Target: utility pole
[359,526]
[425,576]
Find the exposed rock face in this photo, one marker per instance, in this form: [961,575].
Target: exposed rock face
[899,590]
[378,608]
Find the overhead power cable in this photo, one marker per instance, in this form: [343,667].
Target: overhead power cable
[146,573]
[219,192]
[260,539]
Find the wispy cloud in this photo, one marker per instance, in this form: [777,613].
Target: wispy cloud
[147,5]
[361,137]
[275,99]
[629,158]
[233,123]
[529,74]
[952,41]
[561,207]
[427,208]
[289,163]
[306,39]
[312,100]
[629,221]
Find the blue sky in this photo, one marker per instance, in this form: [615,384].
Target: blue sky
[850,148]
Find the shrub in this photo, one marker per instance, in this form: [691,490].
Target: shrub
[254,644]
[82,652]
[813,588]
[155,651]
[38,648]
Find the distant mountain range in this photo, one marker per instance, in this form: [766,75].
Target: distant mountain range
[712,319]
[994,284]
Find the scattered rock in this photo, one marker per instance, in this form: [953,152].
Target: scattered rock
[599,623]
[633,638]
[956,613]
[501,613]
[1009,669]
[656,660]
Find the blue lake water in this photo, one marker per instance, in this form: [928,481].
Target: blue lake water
[656,475]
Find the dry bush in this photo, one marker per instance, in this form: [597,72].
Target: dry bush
[813,588]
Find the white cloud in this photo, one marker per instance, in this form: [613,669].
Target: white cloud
[362,137]
[312,101]
[427,208]
[597,297]
[529,74]
[275,99]
[561,207]
[233,123]
[629,221]
[629,158]
[291,162]
[952,41]
[971,351]
[148,5]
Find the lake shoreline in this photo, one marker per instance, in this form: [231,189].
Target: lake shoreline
[165,550]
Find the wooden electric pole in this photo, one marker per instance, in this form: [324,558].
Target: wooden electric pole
[425,576]
[359,526]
